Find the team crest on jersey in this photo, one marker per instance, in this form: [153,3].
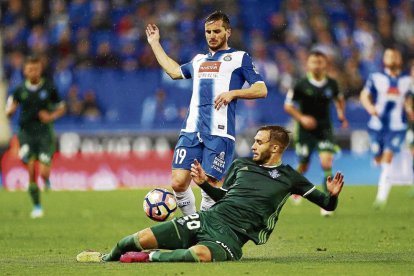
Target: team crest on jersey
[274,173]
[43,94]
[328,93]
[227,57]
[24,95]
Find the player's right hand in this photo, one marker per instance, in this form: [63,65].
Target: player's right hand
[153,33]
[197,173]
[308,122]
[335,184]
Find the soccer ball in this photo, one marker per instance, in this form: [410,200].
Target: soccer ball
[160,204]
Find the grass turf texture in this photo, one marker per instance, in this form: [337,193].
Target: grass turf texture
[358,240]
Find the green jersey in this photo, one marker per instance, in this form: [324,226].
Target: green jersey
[315,100]
[31,101]
[256,194]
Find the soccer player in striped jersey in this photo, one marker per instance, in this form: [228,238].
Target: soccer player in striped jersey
[247,208]
[208,133]
[386,98]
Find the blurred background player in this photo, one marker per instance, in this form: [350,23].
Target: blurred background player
[40,106]
[248,205]
[386,98]
[208,134]
[313,95]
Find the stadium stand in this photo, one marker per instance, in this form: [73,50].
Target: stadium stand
[100,45]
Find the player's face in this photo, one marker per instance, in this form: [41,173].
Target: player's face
[317,64]
[392,59]
[261,147]
[216,35]
[33,72]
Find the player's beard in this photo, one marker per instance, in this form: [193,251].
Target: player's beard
[218,46]
[262,158]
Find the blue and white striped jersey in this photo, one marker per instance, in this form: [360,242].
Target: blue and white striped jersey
[388,94]
[212,75]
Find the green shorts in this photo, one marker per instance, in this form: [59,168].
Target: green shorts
[36,147]
[307,141]
[202,229]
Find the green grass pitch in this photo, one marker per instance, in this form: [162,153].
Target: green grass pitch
[356,241]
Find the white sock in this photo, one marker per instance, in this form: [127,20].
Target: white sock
[186,201]
[384,184]
[206,201]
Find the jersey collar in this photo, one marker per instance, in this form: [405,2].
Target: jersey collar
[33,87]
[274,166]
[211,54]
[316,83]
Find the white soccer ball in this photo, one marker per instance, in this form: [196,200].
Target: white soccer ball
[160,204]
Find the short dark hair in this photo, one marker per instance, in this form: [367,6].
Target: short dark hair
[218,15]
[317,53]
[278,135]
[32,59]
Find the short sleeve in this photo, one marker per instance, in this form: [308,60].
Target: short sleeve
[336,93]
[54,95]
[16,95]
[250,74]
[187,70]
[370,86]
[293,94]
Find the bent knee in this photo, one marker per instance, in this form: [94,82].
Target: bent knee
[202,252]
[180,180]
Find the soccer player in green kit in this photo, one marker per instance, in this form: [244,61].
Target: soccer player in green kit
[247,208]
[313,96]
[40,106]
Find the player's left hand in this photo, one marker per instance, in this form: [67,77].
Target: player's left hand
[335,184]
[197,173]
[223,99]
[45,116]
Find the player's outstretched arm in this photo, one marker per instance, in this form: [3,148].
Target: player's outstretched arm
[171,67]
[328,201]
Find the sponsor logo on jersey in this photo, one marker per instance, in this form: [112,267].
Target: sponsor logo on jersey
[274,173]
[393,92]
[221,127]
[219,163]
[209,70]
[227,57]
[309,92]
[209,66]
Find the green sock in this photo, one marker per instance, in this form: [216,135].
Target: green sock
[129,243]
[326,173]
[34,192]
[178,255]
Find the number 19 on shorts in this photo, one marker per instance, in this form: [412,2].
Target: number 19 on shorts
[180,156]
